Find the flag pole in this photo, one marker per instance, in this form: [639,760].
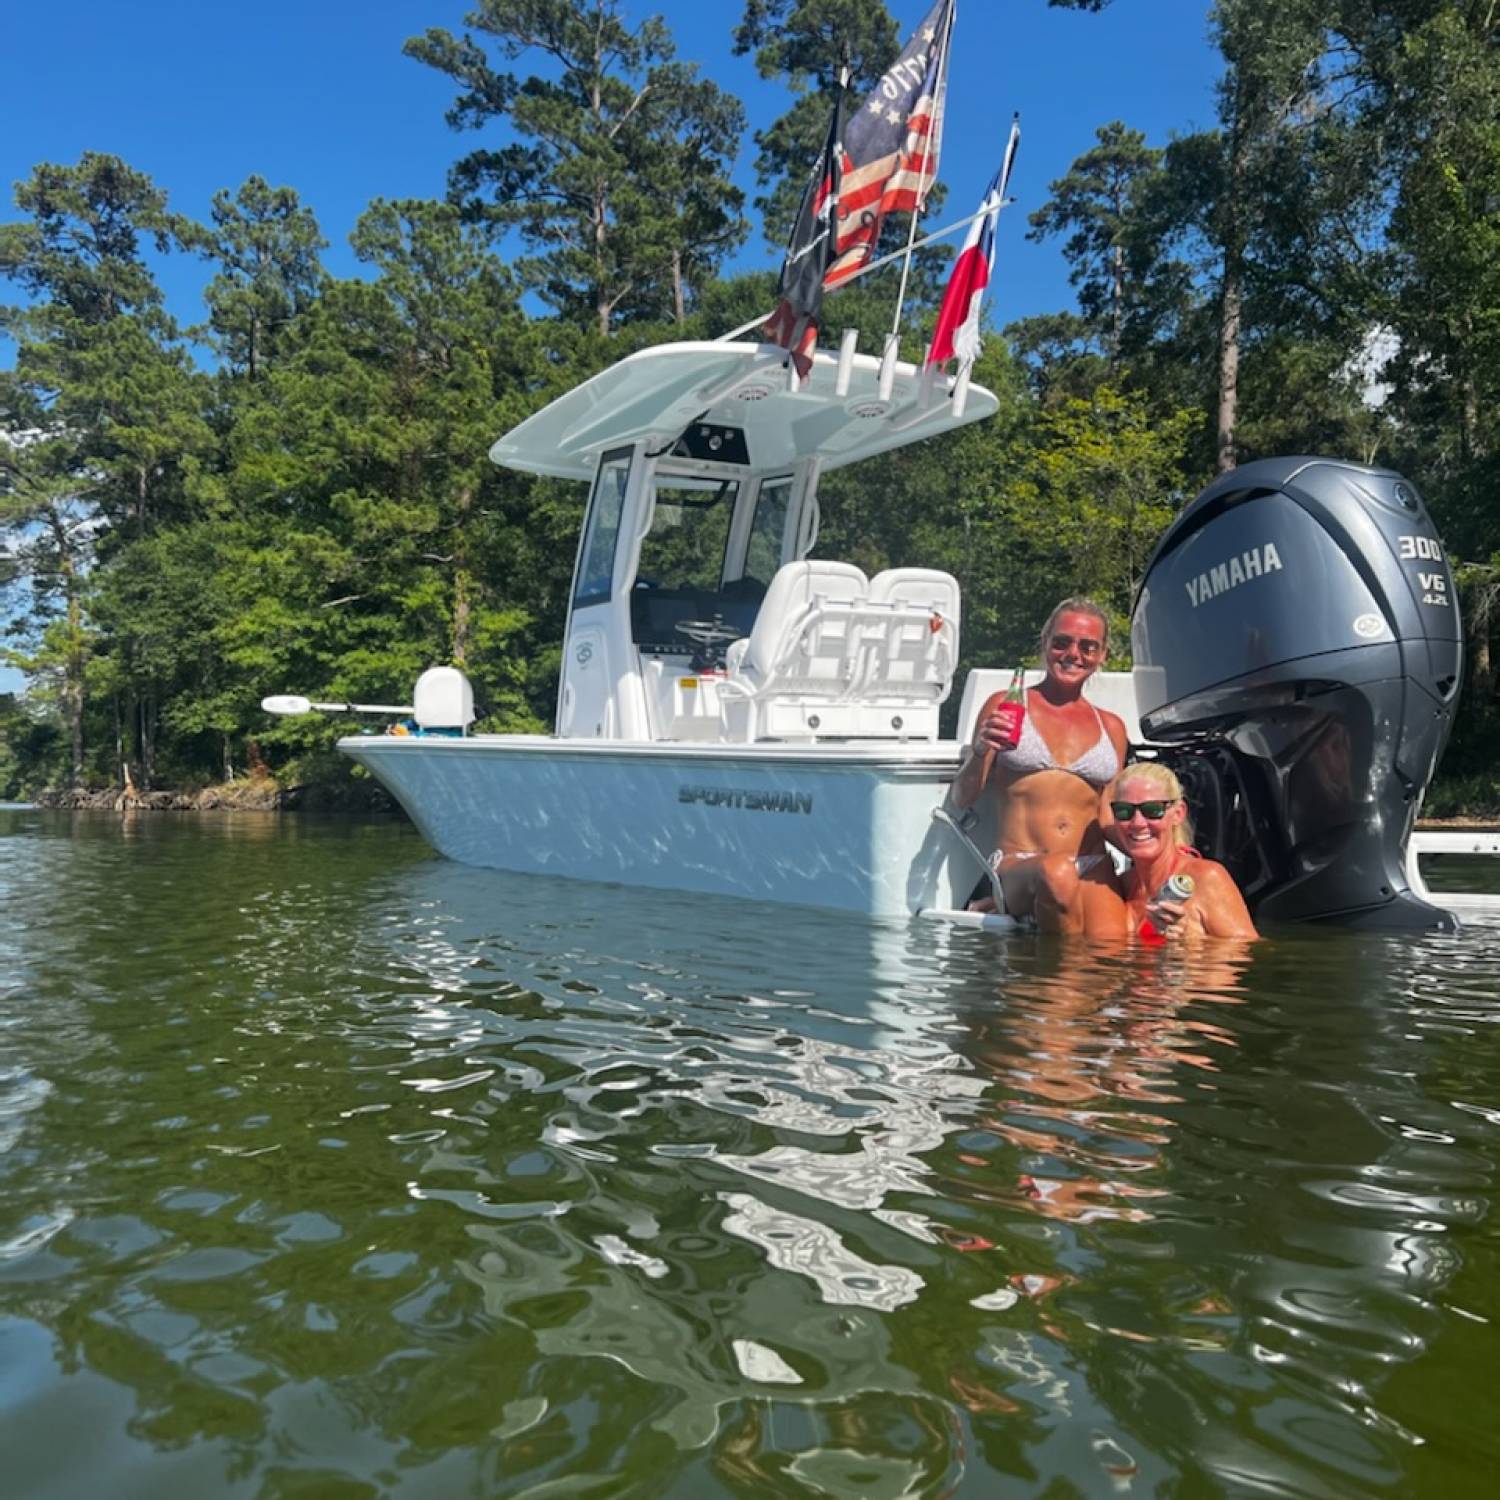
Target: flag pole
[876,265]
[940,105]
[905,270]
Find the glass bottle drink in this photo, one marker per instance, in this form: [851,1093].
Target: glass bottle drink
[1012,709]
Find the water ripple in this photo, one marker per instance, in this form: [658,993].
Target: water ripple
[328,1164]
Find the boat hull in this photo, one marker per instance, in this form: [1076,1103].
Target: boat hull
[845,827]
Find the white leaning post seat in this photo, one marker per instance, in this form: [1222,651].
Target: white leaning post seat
[794,675]
[911,650]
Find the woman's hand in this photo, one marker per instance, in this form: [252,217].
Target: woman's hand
[990,737]
[999,729]
[1166,916]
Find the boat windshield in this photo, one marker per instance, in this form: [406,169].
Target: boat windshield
[689,534]
[681,569]
[767,528]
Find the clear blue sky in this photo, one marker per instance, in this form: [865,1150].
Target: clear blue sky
[317,96]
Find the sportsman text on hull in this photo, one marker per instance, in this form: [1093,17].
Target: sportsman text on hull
[1297,640]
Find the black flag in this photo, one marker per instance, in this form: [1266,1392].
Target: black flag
[794,324]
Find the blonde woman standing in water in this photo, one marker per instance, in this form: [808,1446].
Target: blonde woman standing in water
[1050,854]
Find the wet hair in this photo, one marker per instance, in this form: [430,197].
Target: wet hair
[1076,606]
[1162,779]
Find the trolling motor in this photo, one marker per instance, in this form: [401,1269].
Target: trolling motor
[1298,657]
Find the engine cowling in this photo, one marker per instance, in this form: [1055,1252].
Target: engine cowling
[1298,653]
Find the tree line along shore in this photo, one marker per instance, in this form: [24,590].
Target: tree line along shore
[292,492]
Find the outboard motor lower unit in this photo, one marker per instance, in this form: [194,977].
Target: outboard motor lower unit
[1297,650]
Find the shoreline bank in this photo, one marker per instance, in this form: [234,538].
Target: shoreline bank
[248,796]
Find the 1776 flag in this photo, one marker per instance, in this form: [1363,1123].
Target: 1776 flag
[891,145]
[886,159]
[957,331]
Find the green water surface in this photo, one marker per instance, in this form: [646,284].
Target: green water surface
[329,1168]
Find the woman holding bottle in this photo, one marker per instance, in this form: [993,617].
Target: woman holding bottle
[1169,888]
[1049,762]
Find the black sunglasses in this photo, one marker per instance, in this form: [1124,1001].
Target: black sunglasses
[1125,811]
[1087,645]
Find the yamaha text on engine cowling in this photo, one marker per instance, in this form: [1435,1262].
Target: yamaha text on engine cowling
[1297,647]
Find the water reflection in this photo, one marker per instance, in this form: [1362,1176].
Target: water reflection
[355,1168]
[1082,1055]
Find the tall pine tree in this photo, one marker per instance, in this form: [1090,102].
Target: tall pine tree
[617,173]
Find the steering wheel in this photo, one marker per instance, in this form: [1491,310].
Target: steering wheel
[710,637]
[708,632]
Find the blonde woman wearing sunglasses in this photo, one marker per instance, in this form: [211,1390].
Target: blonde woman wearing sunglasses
[1143,814]
[1050,854]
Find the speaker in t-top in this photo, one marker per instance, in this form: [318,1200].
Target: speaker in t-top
[1297,660]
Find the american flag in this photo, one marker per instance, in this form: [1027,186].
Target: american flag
[891,145]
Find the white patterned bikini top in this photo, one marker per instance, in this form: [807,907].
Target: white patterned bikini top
[1096,765]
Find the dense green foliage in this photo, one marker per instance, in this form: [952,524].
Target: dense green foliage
[294,494]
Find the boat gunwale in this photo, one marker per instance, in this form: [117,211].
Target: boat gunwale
[925,756]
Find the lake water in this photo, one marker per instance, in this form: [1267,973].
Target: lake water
[329,1168]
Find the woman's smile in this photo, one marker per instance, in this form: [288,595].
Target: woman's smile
[1140,837]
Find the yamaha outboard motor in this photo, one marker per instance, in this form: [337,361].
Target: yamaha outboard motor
[1297,648]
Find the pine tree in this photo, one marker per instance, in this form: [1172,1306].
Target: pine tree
[102,406]
[265,244]
[1230,179]
[1097,205]
[617,174]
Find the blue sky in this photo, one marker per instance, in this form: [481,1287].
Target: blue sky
[317,96]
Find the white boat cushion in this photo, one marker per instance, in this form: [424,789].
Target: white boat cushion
[805,647]
[801,634]
[912,651]
[834,656]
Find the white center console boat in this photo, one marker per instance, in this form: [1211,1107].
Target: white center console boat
[739,717]
[733,716]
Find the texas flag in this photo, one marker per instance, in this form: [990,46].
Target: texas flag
[957,331]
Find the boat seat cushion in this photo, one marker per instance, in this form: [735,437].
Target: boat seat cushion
[803,632]
[833,655]
[912,637]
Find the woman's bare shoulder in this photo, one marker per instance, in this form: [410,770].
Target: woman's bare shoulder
[1219,892]
[1114,729]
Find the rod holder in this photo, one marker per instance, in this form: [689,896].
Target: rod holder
[847,345]
[927,384]
[888,366]
[961,388]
